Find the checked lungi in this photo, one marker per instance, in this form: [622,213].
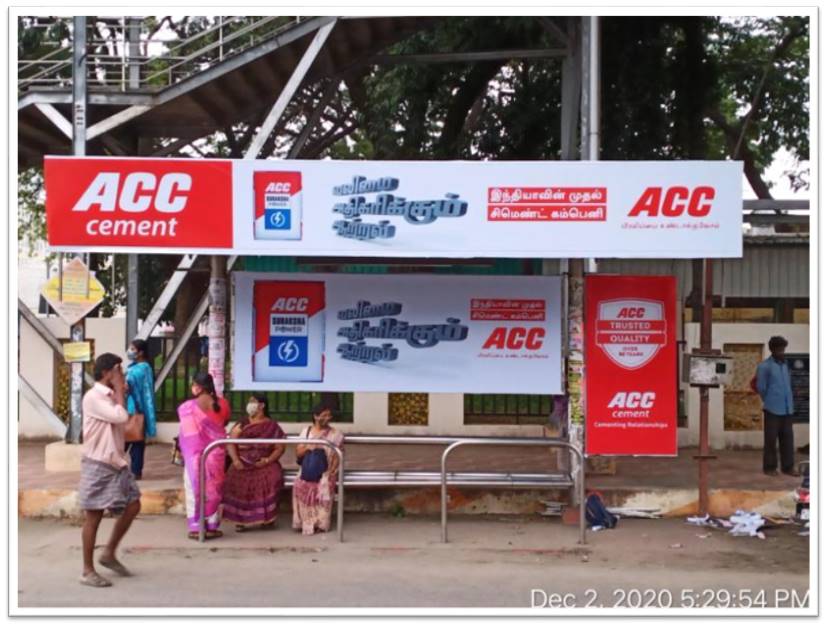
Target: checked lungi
[104,487]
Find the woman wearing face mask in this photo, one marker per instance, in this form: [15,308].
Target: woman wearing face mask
[314,487]
[254,480]
[203,420]
[140,381]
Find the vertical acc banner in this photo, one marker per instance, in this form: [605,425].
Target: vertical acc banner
[405,333]
[631,357]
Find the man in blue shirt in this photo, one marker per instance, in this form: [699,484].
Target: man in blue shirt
[774,384]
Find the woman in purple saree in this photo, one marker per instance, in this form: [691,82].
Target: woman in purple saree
[203,420]
[254,480]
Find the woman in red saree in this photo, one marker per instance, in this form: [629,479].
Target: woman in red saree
[203,420]
[254,480]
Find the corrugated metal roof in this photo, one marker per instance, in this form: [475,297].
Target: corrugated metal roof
[763,272]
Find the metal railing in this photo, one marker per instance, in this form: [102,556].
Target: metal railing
[42,330]
[377,478]
[517,442]
[489,479]
[267,442]
[110,63]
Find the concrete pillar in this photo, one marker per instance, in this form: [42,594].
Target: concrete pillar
[217,320]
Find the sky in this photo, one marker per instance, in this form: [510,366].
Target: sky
[781,190]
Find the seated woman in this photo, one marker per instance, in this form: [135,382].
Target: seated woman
[203,420]
[254,480]
[313,499]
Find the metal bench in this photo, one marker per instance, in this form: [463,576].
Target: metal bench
[416,478]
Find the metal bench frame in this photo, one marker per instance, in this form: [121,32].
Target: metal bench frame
[414,478]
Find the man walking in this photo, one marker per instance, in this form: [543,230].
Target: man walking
[106,483]
[774,384]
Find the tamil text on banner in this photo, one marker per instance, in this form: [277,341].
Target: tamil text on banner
[511,209]
[631,372]
[399,333]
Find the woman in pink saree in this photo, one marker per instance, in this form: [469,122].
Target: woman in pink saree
[203,420]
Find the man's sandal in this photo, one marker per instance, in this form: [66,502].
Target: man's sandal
[93,579]
[115,565]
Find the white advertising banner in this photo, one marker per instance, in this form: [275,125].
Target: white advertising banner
[397,333]
[516,209]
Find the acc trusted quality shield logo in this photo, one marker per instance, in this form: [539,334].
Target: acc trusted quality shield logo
[631,332]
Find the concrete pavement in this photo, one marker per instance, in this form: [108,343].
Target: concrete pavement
[399,562]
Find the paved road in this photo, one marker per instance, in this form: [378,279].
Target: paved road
[390,562]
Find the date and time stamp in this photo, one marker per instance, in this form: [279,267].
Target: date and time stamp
[668,599]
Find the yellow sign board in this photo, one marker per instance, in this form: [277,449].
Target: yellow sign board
[77,351]
[80,294]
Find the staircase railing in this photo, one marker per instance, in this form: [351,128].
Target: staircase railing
[114,65]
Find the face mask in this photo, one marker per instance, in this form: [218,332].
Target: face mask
[252,409]
[132,355]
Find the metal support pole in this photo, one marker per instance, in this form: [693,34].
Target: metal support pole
[132,298]
[594,75]
[220,37]
[591,98]
[133,51]
[78,331]
[79,86]
[705,345]
[576,270]
[123,53]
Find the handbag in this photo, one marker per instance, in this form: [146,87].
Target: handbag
[134,428]
[313,463]
[177,456]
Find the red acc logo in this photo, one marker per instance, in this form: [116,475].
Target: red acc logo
[633,400]
[515,338]
[139,192]
[674,202]
[282,187]
[293,305]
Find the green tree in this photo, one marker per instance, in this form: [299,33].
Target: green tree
[672,88]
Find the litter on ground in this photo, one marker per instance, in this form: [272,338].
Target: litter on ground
[741,524]
[747,524]
[641,513]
